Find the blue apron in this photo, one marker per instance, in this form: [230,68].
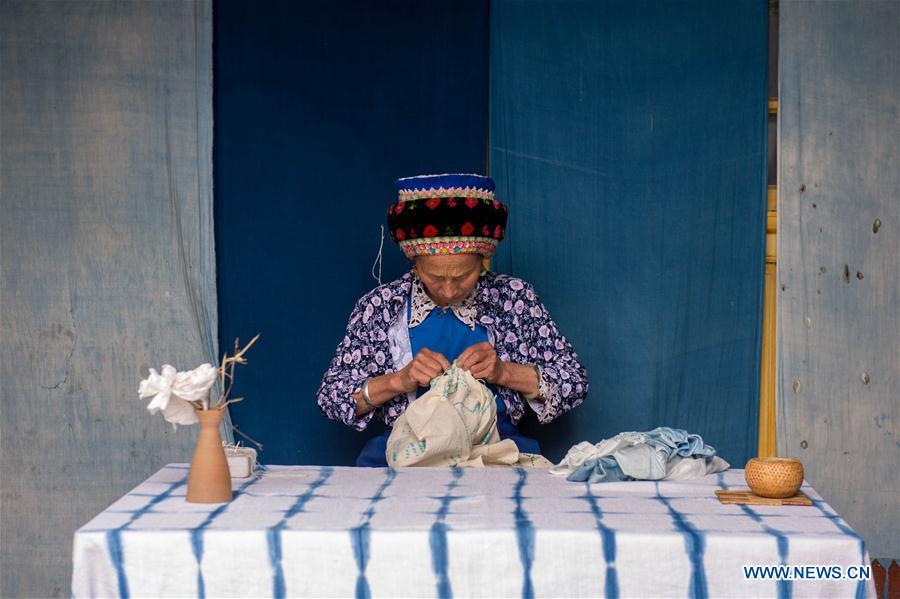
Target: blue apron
[443,332]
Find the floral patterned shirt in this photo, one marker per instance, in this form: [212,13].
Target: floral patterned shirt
[518,324]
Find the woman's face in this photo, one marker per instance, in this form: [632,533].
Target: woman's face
[449,279]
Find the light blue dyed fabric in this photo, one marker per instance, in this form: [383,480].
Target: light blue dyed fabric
[645,460]
[598,470]
[106,255]
[838,243]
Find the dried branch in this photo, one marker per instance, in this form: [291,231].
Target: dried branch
[235,400]
[222,375]
[238,431]
[226,371]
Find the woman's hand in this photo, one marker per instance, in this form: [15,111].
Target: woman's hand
[481,360]
[424,366]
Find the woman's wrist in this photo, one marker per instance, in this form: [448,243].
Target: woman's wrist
[519,377]
[367,399]
[377,391]
[397,383]
[503,376]
[387,386]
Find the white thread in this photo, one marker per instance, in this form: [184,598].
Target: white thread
[378,259]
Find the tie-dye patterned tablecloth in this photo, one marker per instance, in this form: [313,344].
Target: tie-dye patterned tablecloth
[419,532]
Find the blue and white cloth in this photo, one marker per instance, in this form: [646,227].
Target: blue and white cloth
[425,532]
[661,454]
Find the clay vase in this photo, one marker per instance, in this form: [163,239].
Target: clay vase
[209,480]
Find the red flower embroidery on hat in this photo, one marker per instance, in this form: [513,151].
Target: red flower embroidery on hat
[498,232]
[471,202]
[398,207]
[485,231]
[429,231]
[496,204]
[451,202]
[433,203]
[412,233]
[400,234]
[466,229]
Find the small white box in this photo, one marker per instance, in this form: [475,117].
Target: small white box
[241,461]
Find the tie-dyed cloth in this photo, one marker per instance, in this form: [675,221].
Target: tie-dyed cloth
[516,532]
[661,454]
[454,424]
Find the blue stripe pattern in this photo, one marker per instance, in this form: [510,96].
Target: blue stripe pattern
[837,521]
[197,535]
[608,539]
[359,537]
[694,539]
[784,588]
[273,535]
[438,538]
[694,544]
[114,537]
[524,535]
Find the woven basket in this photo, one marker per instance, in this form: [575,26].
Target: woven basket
[774,477]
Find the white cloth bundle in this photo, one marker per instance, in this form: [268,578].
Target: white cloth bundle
[454,423]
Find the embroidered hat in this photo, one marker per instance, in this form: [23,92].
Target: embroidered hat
[447,214]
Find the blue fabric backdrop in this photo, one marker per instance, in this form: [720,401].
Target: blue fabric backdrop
[319,107]
[629,139]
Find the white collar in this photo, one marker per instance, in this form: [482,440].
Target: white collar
[422,305]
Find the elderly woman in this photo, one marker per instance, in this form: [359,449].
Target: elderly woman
[449,308]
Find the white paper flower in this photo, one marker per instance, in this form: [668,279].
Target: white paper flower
[194,384]
[172,392]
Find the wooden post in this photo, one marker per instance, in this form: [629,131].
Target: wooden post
[767,447]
